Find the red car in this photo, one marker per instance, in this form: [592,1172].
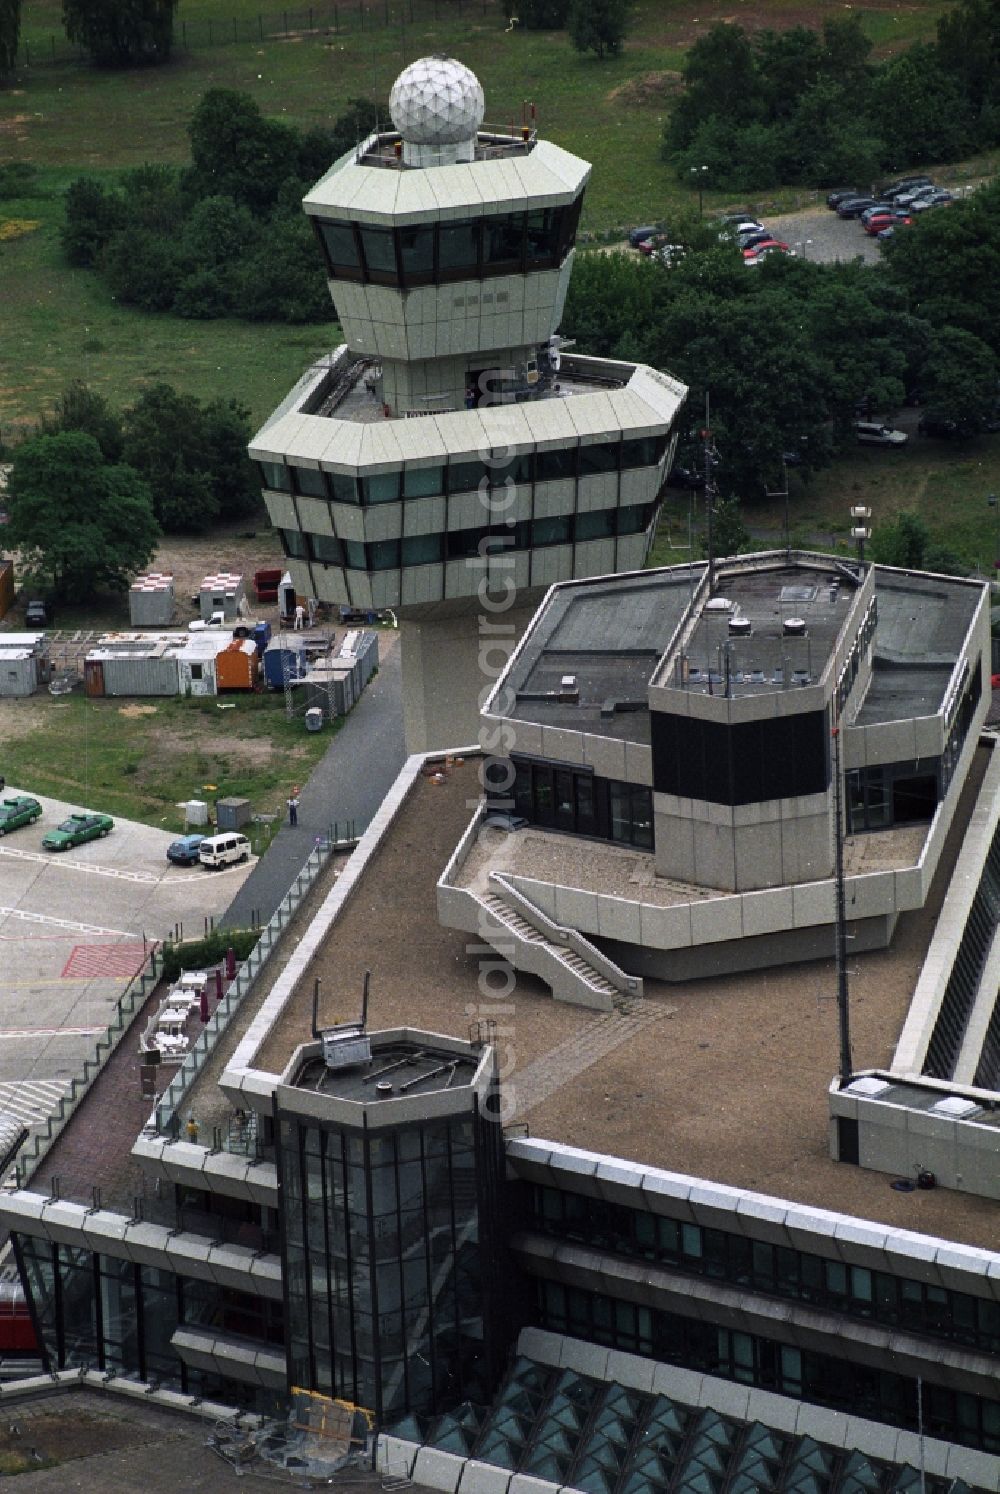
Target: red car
[767,247]
[878,221]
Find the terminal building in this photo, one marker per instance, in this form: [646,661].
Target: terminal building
[658,1241]
[449,449]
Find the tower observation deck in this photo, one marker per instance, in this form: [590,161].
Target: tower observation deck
[450,446]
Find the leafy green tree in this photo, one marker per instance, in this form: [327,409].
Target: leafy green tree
[936,123]
[193,457]
[282,280]
[720,80]
[10,33]
[141,268]
[826,140]
[79,522]
[959,379]
[352,125]
[846,53]
[968,45]
[598,25]
[786,63]
[93,214]
[80,408]
[730,536]
[908,544]
[237,153]
[122,33]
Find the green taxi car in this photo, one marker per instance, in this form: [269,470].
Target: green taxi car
[77,829]
[18,811]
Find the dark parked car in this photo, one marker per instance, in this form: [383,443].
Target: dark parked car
[754,236]
[38,614]
[853,207]
[939,197]
[937,425]
[839,194]
[185,852]
[904,184]
[639,236]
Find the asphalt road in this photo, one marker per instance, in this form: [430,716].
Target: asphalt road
[819,234]
[346,787]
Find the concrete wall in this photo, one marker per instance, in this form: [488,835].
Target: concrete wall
[448,666]
[744,847]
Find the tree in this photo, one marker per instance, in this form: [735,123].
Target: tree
[730,536]
[936,124]
[539,15]
[141,268]
[908,544]
[80,408]
[80,522]
[282,279]
[10,34]
[122,33]
[93,215]
[194,458]
[598,25]
[958,381]
[720,80]
[236,152]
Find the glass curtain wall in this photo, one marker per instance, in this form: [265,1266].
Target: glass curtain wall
[390,1261]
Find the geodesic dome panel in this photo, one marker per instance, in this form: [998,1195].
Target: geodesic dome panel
[437,101]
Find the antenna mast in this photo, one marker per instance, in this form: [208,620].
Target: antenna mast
[843,993]
[707,453]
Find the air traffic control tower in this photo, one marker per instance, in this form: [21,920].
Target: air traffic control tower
[449,460]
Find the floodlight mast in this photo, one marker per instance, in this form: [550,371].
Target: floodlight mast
[843,992]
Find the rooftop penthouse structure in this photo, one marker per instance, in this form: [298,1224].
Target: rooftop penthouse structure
[449,448]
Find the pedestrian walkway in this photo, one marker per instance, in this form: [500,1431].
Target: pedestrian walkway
[347,785]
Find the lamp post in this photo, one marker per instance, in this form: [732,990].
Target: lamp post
[697,173]
[994,503]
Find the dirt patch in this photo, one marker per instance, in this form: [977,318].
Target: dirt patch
[21,718]
[137,710]
[650,89]
[30,1438]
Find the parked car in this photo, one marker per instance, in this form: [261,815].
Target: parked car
[688,477]
[874,433]
[936,425]
[754,236]
[877,221]
[939,197]
[879,207]
[904,184]
[765,252]
[637,236]
[17,811]
[884,234]
[654,242]
[853,207]
[38,613]
[184,852]
[224,850]
[726,220]
[914,195]
[754,251]
[745,225]
[839,194]
[76,830]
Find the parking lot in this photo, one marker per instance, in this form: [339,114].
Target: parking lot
[74,928]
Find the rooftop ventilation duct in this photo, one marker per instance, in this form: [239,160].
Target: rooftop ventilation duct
[740,627]
[794,627]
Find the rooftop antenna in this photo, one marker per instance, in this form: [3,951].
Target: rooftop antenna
[843,993]
[707,454]
[782,492]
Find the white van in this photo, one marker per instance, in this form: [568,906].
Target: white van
[224,850]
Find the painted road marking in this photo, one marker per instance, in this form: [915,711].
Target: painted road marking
[64,923]
[32,1100]
[87,960]
[166,876]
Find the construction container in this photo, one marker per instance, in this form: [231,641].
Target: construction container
[93,678]
[328,685]
[149,672]
[261,636]
[221,593]
[196,812]
[237,666]
[6,586]
[265,584]
[196,662]
[283,661]
[314,719]
[232,814]
[151,601]
[18,671]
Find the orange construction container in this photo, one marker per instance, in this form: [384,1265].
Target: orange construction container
[6,586]
[236,666]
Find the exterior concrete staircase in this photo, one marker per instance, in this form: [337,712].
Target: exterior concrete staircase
[571,976]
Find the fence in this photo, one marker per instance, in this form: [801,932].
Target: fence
[172,1098]
[132,999]
[340,19]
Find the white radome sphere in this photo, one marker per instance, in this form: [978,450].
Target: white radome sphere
[437,101]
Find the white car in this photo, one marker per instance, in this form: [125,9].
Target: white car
[874,433]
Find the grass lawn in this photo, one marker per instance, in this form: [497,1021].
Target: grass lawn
[140,760]
[947,485]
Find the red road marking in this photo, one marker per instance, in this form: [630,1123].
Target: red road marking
[87,960]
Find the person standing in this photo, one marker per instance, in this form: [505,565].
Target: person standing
[293,808]
[300,618]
